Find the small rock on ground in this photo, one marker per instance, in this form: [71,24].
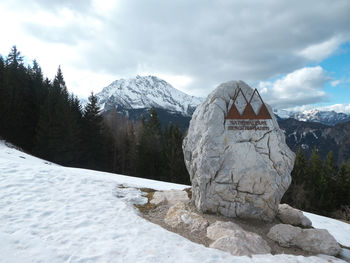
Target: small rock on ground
[242,243]
[292,216]
[221,228]
[178,214]
[169,197]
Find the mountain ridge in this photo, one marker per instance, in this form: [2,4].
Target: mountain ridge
[144,92]
[329,118]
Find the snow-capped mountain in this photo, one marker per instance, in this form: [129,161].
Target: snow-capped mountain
[146,92]
[325,117]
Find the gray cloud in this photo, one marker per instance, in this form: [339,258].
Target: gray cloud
[216,41]
[209,41]
[301,87]
[71,35]
[54,5]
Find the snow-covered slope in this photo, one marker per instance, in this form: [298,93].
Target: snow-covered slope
[315,115]
[50,213]
[146,92]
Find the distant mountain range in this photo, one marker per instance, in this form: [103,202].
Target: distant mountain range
[135,96]
[326,130]
[330,118]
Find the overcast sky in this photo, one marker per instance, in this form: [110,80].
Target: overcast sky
[295,52]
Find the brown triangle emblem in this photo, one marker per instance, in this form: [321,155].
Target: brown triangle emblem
[263,113]
[233,113]
[248,112]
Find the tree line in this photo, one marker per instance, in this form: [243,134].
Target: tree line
[44,119]
[320,186]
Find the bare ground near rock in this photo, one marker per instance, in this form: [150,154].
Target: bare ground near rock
[156,215]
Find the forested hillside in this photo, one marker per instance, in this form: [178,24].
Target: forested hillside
[40,116]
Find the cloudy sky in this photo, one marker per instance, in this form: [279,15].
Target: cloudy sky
[297,53]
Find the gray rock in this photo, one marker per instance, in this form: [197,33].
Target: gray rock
[345,254]
[292,216]
[220,229]
[178,215]
[169,197]
[242,243]
[194,221]
[318,241]
[238,168]
[311,240]
[174,214]
[284,235]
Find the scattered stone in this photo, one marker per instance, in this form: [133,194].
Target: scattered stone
[284,235]
[194,221]
[236,155]
[158,198]
[173,217]
[221,228]
[169,197]
[292,216]
[312,240]
[177,215]
[242,243]
[318,241]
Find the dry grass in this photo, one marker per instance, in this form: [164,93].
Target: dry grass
[189,192]
[148,206]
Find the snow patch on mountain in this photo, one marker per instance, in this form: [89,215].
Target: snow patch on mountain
[325,117]
[146,92]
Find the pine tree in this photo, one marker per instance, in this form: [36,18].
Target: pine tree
[2,94]
[297,193]
[92,134]
[342,192]
[14,58]
[316,179]
[58,130]
[328,184]
[149,149]
[174,166]
[18,108]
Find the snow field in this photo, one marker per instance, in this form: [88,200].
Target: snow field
[50,213]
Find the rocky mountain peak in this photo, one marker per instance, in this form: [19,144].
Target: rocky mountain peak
[146,92]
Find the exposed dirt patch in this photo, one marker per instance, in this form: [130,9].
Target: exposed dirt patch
[189,192]
[148,206]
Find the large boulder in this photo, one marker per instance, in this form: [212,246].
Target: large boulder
[292,216]
[236,155]
[242,243]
